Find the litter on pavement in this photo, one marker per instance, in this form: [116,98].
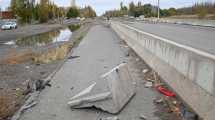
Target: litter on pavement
[148,84]
[165,91]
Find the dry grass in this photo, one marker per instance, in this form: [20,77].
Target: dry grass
[15,57]
[52,54]
[9,102]
[58,53]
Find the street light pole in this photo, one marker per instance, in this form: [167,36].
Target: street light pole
[158,9]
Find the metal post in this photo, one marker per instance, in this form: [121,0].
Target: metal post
[158,9]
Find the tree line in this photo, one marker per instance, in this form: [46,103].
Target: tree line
[200,9]
[87,12]
[27,11]
[133,9]
[149,10]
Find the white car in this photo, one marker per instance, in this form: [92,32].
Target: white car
[9,25]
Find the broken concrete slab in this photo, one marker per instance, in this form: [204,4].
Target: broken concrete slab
[110,93]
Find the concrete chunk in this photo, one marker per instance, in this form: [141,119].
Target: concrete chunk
[110,93]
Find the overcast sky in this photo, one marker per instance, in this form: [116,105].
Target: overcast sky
[102,5]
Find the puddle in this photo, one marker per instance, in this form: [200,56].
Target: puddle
[43,39]
[40,48]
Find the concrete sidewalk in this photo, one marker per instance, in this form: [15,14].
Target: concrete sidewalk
[99,52]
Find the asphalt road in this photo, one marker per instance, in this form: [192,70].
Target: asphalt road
[99,52]
[202,38]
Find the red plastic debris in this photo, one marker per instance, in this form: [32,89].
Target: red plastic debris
[165,91]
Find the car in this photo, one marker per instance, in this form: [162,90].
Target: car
[9,25]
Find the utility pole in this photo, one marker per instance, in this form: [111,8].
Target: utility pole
[0,13]
[158,9]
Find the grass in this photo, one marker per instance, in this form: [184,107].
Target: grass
[53,54]
[74,27]
[9,103]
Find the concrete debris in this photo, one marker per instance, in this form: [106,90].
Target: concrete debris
[126,46]
[110,93]
[143,117]
[148,84]
[158,101]
[145,71]
[110,118]
[17,89]
[137,59]
[27,67]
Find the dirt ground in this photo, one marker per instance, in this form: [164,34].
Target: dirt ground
[23,69]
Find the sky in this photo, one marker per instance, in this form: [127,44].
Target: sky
[102,5]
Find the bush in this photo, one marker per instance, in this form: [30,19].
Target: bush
[73,13]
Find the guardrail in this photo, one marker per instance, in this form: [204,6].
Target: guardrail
[189,71]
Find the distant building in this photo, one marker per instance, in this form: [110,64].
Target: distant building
[73,4]
[6,15]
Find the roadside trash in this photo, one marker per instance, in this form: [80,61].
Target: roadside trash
[71,88]
[174,102]
[165,91]
[143,117]
[110,93]
[159,101]
[27,67]
[148,84]
[188,114]
[41,84]
[110,118]
[17,89]
[73,57]
[145,71]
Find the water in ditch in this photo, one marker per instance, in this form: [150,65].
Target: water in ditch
[45,47]
[61,35]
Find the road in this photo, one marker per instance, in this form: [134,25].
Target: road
[202,38]
[99,51]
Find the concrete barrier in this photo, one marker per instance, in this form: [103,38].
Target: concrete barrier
[189,71]
[193,22]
